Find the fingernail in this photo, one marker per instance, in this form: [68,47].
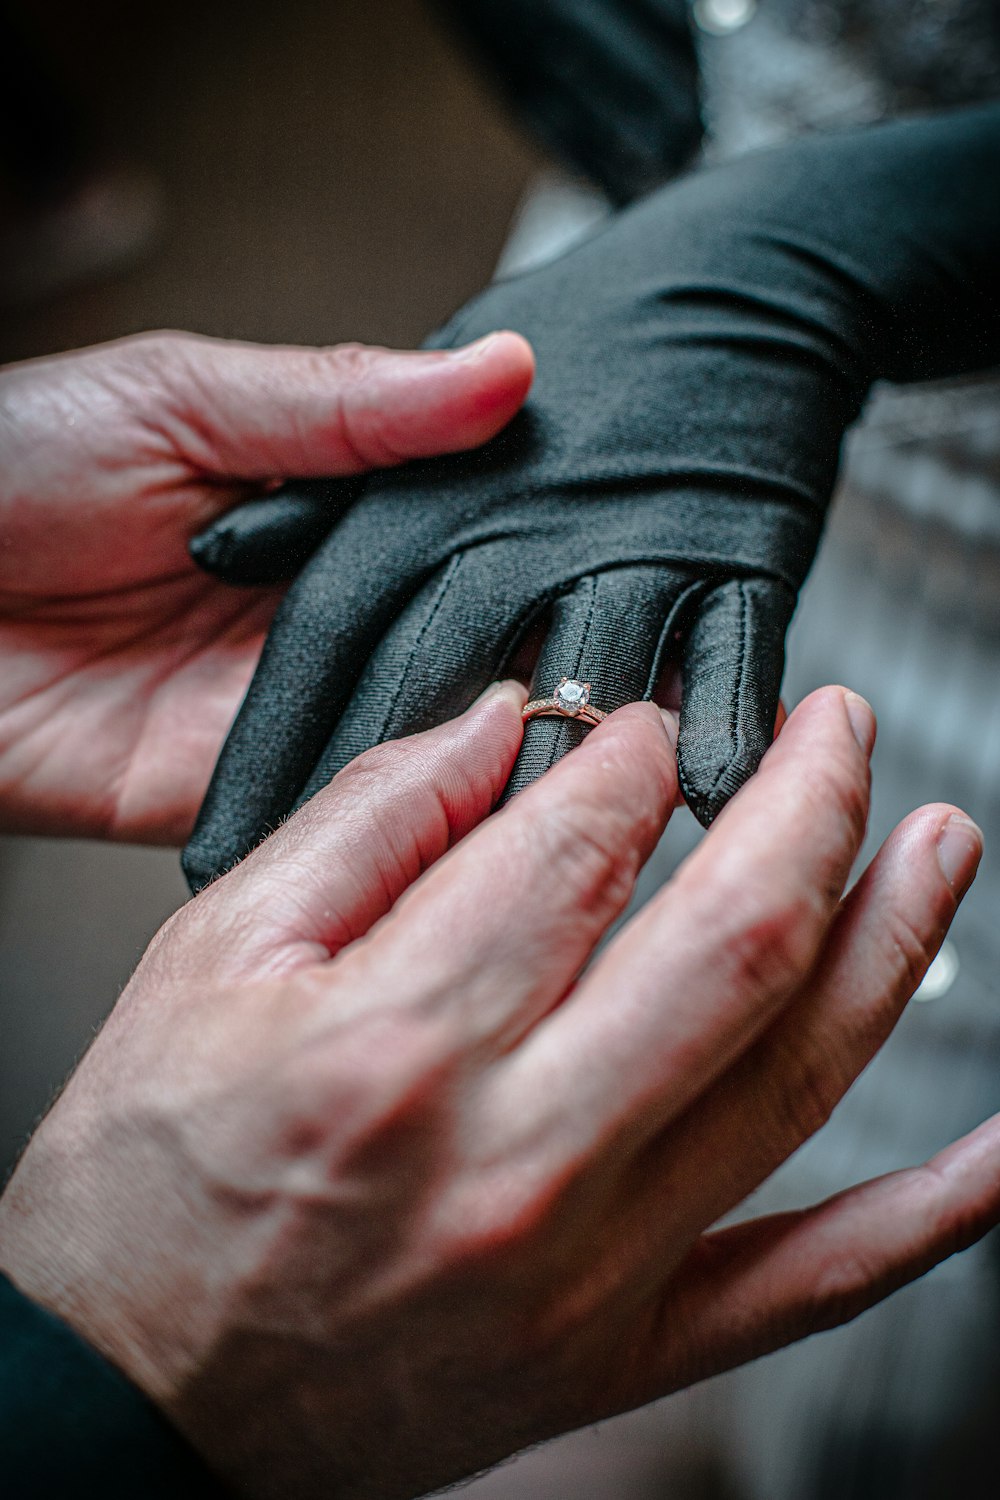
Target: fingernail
[959,850]
[477,350]
[671,724]
[862,721]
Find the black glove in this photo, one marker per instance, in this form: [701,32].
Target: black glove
[610,86]
[663,491]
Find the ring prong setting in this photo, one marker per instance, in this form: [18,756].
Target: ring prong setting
[572,695]
[570,700]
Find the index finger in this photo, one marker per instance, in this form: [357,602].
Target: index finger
[500,929]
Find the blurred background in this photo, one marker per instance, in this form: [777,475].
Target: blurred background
[311,172]
[336,169]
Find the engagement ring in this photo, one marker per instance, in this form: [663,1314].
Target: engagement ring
[571,700]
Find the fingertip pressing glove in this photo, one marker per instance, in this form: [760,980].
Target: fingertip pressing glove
[662,494]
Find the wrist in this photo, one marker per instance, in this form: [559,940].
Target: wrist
[52,1250]
[72,1424]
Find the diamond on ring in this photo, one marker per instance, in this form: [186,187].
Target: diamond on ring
[571,696]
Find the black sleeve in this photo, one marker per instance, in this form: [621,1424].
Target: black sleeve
[609,86]
[72,1425]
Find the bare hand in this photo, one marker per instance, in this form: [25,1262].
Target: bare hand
[123,663]
[367,1187]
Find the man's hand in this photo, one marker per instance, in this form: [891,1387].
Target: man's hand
[367,1185]
[123,664]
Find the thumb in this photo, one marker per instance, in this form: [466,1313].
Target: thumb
[259,412]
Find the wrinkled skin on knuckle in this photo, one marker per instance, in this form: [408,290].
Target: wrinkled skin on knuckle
[296,909]
[950,1225]
[768,945]
[363,423]
[913,951]
[768,923]
[352,361]
[154,359]
[840,783]
[812,1078]
[360,787]
[174,367]
[593,852]
[445,798]
[161,345]
[843,1287]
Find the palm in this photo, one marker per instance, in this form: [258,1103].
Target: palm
[123,664]
[115,699]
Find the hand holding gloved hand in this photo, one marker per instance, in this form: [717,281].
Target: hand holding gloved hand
[123,664]
[367,1185]
[662,493]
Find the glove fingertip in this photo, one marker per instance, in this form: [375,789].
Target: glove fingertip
[269,539]
[733,665]
[212,549]
[712,774]
[244,562]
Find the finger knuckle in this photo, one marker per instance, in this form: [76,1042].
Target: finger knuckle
[768,949]
[361,426]
[912,949]
[165,340]
[592,853]
[808,1098]
[175,359]
[157,345]
[844,1286]
[837,788]
[351,361]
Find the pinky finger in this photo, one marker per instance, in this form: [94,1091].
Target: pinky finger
[751,1289]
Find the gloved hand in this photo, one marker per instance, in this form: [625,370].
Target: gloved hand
[662,493]
[610,86]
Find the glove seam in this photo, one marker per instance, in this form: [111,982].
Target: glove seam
[446,583]
[737,699]
[675,613]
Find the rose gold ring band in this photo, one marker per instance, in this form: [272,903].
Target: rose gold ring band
[571,700]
